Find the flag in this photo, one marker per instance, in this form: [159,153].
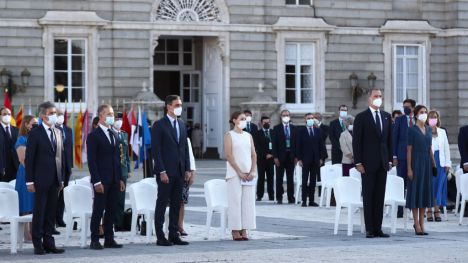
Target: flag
[134,136]
[78,139]
[126,128]
[65,117]
[85,124]
[7,104]
[137,138]
[19,116]
[145,138]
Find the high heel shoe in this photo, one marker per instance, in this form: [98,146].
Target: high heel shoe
[416,232]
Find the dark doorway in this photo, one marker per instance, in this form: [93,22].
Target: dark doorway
[166,83]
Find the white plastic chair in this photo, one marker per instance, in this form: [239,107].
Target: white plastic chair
[85,181]
[149,180]
[9,212]
[348,194]
[7,186]
[393,171]
[458,175]
[216,202]
[395,197]
[354,173]
[13,183]
[329,174]
[464,195]
[298,180]
[79,204]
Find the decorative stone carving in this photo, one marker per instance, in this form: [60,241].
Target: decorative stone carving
[188,11]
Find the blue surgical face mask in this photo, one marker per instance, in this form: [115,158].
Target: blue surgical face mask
[110,120]
[52,119]
[310,123]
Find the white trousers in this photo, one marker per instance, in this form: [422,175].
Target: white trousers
[241,205]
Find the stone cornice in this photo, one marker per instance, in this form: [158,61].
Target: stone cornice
[75,18]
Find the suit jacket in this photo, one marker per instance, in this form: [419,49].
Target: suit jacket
[279,142]
[463,145]
[103,158]
[67,148]
[335,132]
[262,145]
[41,159]
[123,153]
[400,137]
[370,148]
[310,148]
[7,150]
[168,154]
[346,144]
[253,129]
[325,129]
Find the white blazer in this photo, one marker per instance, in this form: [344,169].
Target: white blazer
[444,148]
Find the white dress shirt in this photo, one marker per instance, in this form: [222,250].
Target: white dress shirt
[106,132]
[177,126]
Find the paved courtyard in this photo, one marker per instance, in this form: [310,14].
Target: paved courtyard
[285,233]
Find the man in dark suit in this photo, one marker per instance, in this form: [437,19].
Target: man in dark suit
[8,157]
[265,163]
[372,144]
[251,128]
[284,139]
[336,128]
[400,141]
[67,138]
[311,154]
[463,148]
[103,148]
[171,167]
[44,177]
[324,129]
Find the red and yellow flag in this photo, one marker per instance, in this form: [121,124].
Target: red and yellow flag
[7,104]
[19,116]
[78,140]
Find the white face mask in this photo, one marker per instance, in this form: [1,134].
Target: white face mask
[350,127]
[343,114]
[242,124]
[286,119]
[118,124]
[377,102]
[52,119]
[6,119]
[110,120]
[248,118]
[178,111]
[60,120]
[422,117]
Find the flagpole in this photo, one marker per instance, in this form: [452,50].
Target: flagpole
[144,147]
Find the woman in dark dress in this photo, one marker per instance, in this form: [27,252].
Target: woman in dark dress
[420,169]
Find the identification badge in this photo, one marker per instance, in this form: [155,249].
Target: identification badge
[288,143]
[270,146]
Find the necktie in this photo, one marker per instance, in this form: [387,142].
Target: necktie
[343,127]
[377,122]
[8,132]
[267,134]
[411,121]
[63,132]
[311,132]
[175,130]
[52,139]
[286,131]
[111,136]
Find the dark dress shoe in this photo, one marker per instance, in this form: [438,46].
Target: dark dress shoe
[271,199]
[112,244]
[178,241]
[54,250]
[163,242]
[95,245]
[280,202]
[304,204]
[381,234]
[313,204]
[39,251]
[183,233]
[370,235]
[61,224]
[292,201]
[55,232]
[259,199]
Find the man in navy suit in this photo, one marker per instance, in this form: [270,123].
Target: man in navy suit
[251,128]
[44,177]
[372,144]
[463,148]
[8,158]
[106,175]
[311,153]
[336,128]
[284,141]
[171,167]
[67,138]
[265,163]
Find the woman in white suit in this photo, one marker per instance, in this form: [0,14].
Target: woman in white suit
[441,150]
[346,145]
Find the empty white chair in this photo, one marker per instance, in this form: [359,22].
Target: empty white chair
[348,194]
[394,197]
[79,205]
[353,173]
[298,181]
[149,180]
[458,175]
[85,181]
[464,195]
[338,165]
[329,174]
[9,213]
[216,202]
[7,186]
[13,183]
[393,171]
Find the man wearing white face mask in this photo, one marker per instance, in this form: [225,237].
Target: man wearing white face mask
[67,163]
[8,158]
[284,146]
[372,144]
[251,128]
[336,128]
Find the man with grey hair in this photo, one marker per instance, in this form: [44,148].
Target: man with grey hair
[44,177]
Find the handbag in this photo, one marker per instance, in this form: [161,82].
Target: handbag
[127,220]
